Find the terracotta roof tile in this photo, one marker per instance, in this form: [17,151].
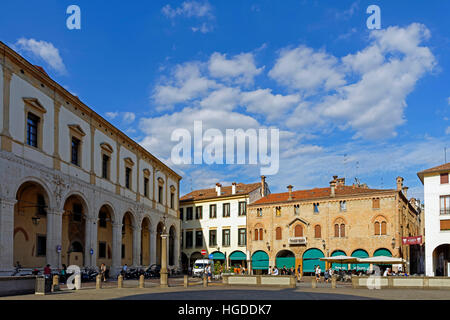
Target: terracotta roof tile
[203,194]
[441,168]
[316,193]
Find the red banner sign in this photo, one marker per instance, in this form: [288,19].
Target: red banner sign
[203,252]
[412,240]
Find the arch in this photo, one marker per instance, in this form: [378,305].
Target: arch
[260,260]
[41,183]
[338,266]
[382,252]
[261,234]
[317,231]
[30,223]
[172,237]
[380,225]
[440,255]
[127,250]
[237,258]
[105,222]
[79,195]
[311,259]
[285,258]
[298,230]
[194,256]
[145,240]
[360,253]
[108,205]
[278,235]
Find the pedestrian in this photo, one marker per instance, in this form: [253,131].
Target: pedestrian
[209,272]
[275,271]
[47,271]
[292,271]
[318,271]
[285,271]
[299,272]
[64,273]
[189,270]
[270,270]
[103,272]
[326,275]
[124,270]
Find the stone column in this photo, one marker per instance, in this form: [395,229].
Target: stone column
[177,249]
[91,241]
[152,246]
[136,246]
[116,248]
[163,272]
[5,134]
[54,237]
[7,235]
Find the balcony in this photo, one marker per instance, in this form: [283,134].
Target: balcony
[445,211]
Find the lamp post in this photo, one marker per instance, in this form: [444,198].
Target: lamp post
[163,272]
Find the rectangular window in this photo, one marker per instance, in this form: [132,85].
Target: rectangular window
[189,239]
[123,251]
[189,214]
[198,239]
[199,212]
[75,151]
[376,203]
[242,208]
[32,130]
[146,187]
[259,212]
[181,214]
[316,208]
[172,200]
[41,247]
[296,209]
[212,211]
[343,205]
[445,225]
[226,210]
[77,212]
[105,165]
[102,249]
[128,178]
[226,237]
[242,236]
[160,194]
[102,219]
[445,205]
[278,211]
[212,238]
[444,178]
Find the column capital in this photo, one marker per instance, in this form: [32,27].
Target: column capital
[8,201]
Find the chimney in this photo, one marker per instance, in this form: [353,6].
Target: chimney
[399,183]
[405,191]
[263,186]
[219,189]
[333,187]
[290,192]
[340,182]
[233,188]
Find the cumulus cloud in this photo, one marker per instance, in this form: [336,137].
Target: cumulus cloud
[43,50]
[126,118]
[225,98]
[111,115]
[241,68]
[188,9]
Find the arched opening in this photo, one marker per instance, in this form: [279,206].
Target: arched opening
[159,231]
[145,242]
[184,262]
[238,258]
[30,225]
[260,262]
[298,230]
[311,258]
[104,235]
[339,266]
[172,237]
[441,259]
[278,235]
[285,258]
[360,253]
[127,239]
[195,256]
[74,231]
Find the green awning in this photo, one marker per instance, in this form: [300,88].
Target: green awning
[287,262]
[218,256]
[311,258]
[238,255]
[360,254]
[338,266]
[260,260]
[382,252]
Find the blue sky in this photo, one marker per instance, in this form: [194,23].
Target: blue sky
[372,104]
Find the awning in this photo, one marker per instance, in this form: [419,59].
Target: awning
[238,255]
[360,254]
[218,256]
[382,260]
[340,259]
[260,260]
[311,258]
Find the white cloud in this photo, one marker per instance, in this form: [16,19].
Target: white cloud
[305,70]
[43,50]
[262,101]
[188,9]
[111,115]
[447,131]
[241,68]
[128,117]
[204,28]
[224,98]
[448,100]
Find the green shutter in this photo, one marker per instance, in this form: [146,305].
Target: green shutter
[311,258]
[285,261]
[260,260]
[218,256]
[238,255]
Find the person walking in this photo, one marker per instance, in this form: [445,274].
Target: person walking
[64,274]
[318,271]
[326,275]
[299,272]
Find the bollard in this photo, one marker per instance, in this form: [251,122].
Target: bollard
[77,281]
[55,285]
[141,281]
[333,282]
[313,283]
[40,286]
[205,281]
[120,281]
[98,282]
[186,281]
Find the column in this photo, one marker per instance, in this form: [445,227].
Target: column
[54,237]
[152,246]
[116,248]
[91,242]
[5,134]
[136,246]
[163,272]
[177,249]
[7,235]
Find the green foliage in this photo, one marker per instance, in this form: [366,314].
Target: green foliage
[217,267]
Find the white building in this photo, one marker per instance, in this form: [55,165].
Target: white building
[215,220]
[437,219]
[75,189]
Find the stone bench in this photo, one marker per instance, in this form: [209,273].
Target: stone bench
[10,286]
[258,280]
[412,282]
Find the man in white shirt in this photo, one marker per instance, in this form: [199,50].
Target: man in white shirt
[275,271]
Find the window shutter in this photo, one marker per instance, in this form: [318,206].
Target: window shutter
[444,178]
[377,228]
[336,230]
[278,233]
[342,230]
[383,227]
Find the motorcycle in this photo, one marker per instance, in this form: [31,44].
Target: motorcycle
[152,271]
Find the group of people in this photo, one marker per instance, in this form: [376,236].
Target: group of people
[282,271]
[327,274]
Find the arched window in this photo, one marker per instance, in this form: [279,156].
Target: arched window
[256,234]
[380,226]
[261,234]
[383,227]
[377,228]
[336,230]
[339,228]
[317,232]
[342,229]
[278,233]
[298,231]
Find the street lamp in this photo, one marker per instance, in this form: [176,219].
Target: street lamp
[35,220]
[324,244]
[393,243]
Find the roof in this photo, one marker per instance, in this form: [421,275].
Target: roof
[203,194]
[317,193]
[438,169]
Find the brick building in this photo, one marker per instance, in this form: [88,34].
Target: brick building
[299,227]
